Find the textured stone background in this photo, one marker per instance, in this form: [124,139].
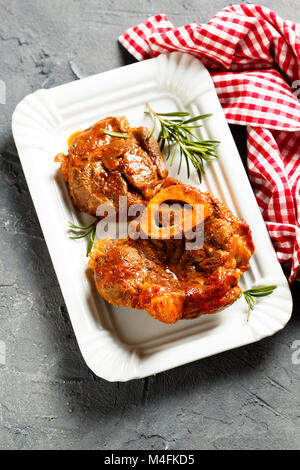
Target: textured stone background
[247,398]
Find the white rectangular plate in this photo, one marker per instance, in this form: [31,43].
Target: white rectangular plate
[120,344]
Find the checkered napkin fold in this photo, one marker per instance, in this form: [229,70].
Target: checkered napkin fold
[253,56]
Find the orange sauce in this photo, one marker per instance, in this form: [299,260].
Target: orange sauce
[73,137]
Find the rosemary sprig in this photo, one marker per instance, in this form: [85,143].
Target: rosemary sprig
[90,231]
[250,295]
[115,134]
[178,132]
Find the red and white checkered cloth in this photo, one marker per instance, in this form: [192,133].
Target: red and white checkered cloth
[254,59]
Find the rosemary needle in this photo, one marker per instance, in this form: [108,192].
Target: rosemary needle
[90,231]
[115,134]
[177,131]
[250,295]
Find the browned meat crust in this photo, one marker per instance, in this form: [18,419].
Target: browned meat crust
[99,168]
[169,282]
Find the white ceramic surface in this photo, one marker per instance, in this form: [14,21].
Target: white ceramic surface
[120,344]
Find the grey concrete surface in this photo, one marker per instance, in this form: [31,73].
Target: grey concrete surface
[247,398]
